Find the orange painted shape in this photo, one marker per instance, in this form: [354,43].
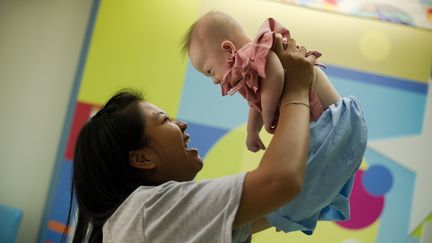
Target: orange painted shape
[57,226]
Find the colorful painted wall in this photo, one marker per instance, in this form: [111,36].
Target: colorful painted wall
[387,66]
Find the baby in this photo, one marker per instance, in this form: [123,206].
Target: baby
[219,48]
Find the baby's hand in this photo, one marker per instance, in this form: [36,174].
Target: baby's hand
[270,129]
[253,142]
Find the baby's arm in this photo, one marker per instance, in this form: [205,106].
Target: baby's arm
[254,125]
[322,86]
[271,89]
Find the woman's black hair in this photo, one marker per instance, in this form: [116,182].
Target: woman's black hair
[102,176]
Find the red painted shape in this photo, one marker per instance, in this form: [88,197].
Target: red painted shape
[81,116]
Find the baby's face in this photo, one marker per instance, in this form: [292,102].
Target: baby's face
[210,61]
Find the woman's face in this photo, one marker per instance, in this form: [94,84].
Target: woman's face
[168,140]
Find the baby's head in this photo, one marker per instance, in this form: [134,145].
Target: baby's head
[210,41]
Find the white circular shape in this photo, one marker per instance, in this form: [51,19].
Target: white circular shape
[375,46]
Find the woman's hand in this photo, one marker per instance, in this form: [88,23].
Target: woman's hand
[298,68]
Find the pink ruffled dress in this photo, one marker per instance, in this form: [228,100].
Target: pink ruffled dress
[246,69]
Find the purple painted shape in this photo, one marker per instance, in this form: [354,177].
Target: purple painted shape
[365,208]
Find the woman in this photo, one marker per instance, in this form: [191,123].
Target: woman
[133,172]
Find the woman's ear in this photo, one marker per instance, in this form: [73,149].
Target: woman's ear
[228,46]
[144,158]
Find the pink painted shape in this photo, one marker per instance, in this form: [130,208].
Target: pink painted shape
[365,208]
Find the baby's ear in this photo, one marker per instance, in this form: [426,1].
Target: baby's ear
[228,46]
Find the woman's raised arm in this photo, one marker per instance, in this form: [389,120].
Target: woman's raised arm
[279,176]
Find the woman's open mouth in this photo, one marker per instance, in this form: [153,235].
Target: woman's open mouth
[186,141]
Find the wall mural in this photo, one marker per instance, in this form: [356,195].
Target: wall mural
[416,13]
[386,66]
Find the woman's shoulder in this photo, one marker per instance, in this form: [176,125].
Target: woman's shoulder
[150,209]
[149,193]
[171,192]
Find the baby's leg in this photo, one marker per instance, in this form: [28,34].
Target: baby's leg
[271,89]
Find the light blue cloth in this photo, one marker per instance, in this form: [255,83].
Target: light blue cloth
[337,145]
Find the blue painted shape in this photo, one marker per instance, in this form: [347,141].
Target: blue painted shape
[393,107]
[53,236]
[395,217]
[389,112]
[377,180]
[204,137]
[404,84]
[10,220]
[202,103]
[413,240]
[62,193]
